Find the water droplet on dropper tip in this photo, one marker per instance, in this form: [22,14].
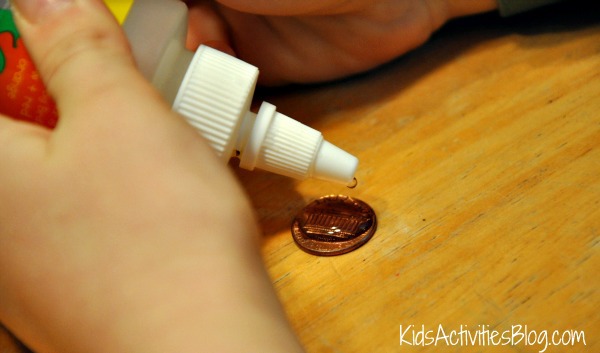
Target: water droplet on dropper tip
[352,184]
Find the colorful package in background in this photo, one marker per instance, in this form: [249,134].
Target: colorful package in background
[22,93]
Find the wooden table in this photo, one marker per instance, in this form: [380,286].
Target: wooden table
[480,154]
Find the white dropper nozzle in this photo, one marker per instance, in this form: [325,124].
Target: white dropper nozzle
[274,142]
[215,98]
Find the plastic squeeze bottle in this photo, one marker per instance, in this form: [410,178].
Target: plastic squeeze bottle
[211,89]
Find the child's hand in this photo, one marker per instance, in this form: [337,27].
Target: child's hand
[316,40]
[120,230]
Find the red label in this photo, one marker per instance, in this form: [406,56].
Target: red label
[22,93]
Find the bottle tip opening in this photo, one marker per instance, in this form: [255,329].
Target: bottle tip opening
[334,164]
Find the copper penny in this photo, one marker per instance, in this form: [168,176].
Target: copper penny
[334,225]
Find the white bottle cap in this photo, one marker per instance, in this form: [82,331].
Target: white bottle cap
[281,145]
[215,97]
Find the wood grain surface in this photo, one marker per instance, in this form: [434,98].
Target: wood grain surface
[480,154]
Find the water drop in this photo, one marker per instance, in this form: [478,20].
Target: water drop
[352,184]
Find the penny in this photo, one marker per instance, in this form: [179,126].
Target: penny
[334,225]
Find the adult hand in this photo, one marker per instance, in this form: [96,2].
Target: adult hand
[120,231]
[316,40]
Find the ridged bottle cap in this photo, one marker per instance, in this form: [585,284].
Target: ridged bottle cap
[285,146]
[215,95]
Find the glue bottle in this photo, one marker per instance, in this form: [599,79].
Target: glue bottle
[210,89]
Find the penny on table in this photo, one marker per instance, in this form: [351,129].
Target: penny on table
[334,225]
